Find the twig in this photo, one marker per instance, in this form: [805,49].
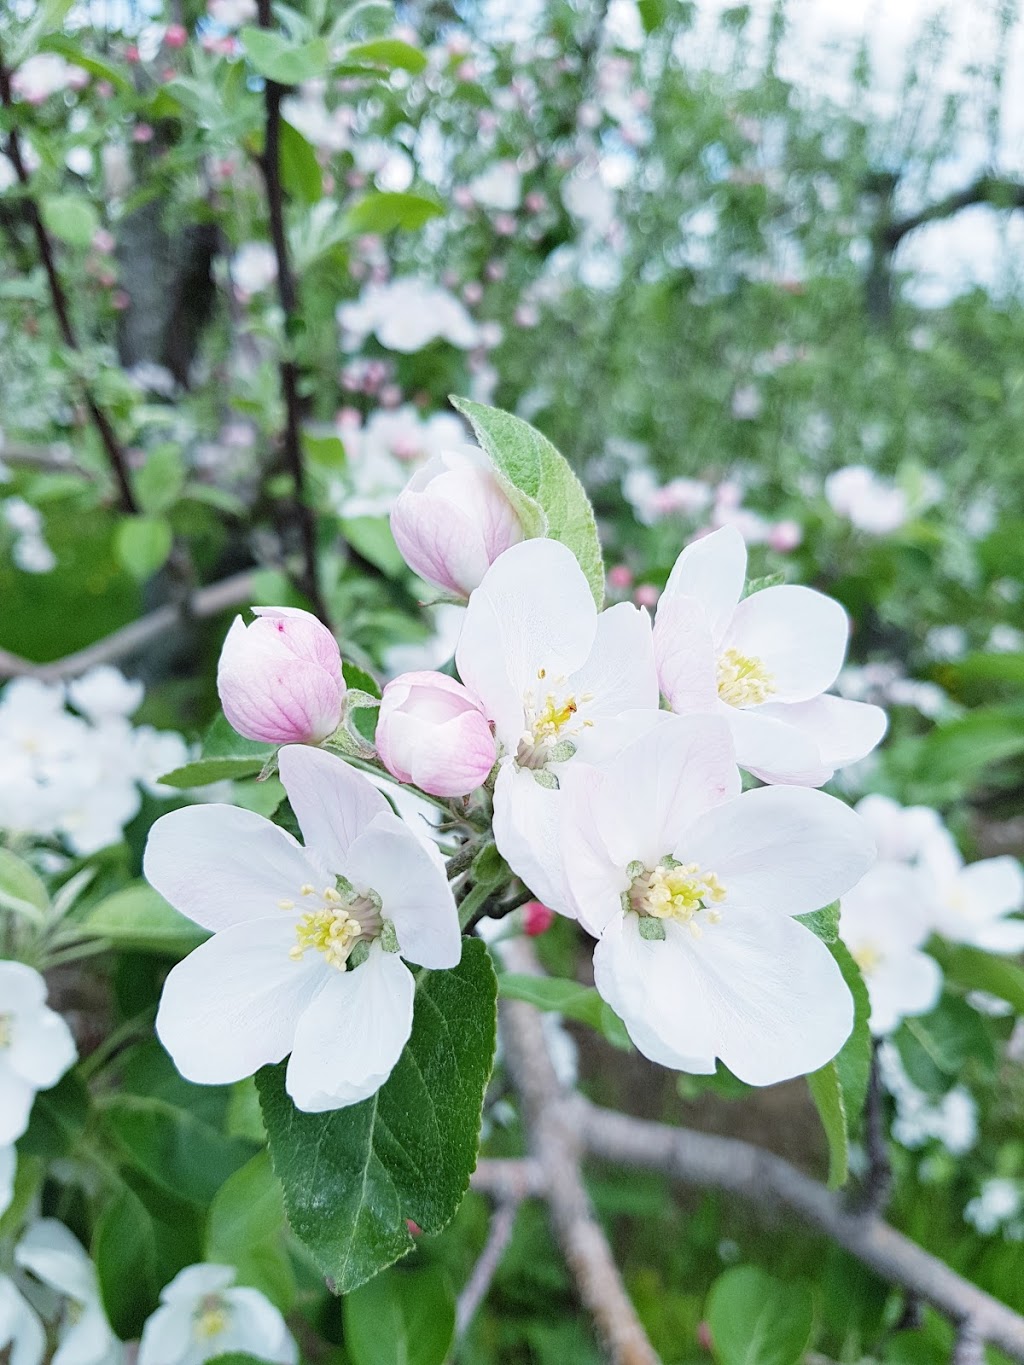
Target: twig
[270,163]
[554,1144]
[508,1178]
[134,638]
[115,453]
[873,1196]
[987,189]
[475,1290]
[969,1348]
[765,1179]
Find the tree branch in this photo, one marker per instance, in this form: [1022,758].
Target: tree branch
[475,1290]
[987,189]
[554,1145]
[134,638]
[291,438]
[115,453]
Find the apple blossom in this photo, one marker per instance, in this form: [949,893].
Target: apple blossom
[764,662]
[280,678]
[58,1260]
[431,732]
[406,315]
[21,1331]
[866,500]
[690,888]
[308,941]
[902,834]
[453,520]
[204,1314]
[974,904]
[884,925]
[554,676]
[36,1046]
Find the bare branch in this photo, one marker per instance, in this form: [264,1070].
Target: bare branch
[475,1291]
[554,1144]
[133,639]
[508,1178]
[987,189]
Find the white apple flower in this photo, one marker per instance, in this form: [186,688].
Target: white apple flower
[974,903]
[553,675]
[870,503]
[406,314]
[690,888]
[765,663]
[104,692]
[8,1168]
[499,187]
[204,1314]
[36,1046]
[20,1328]
[902,834]
[307,946]
[58,1260]
[884,924]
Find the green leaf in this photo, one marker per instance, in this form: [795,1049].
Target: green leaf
[402,1317]
[70,217]
[58,1119]
[372,537]
[225,755]
[279,59]
[246,1229]
[823,923]
[352,1177]
[582,1003]
[138,918]
[545,492]
[935,1048]
[360,680]
[326,451]
[976,970]
[158,484]
[124,1249]
[387,210]
[839,1088]
[756,1320]
[300,171]
[960,750]
[389,52]
[20,887]
[176,1152]
[143,544]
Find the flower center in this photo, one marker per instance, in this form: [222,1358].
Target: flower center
[343,918]
[743,679]
[551,718]
[211,1318]
[6,1030]
[868,957]
[675,891]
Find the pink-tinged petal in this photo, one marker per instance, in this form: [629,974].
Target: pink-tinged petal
[409,876]
[233,1005]
[16,1096]
[220,865]
[685,655]
[526,828]
[456,758]
[769,993]
[798,634]
[842,731]
[349,1039]
[645,983]
[431,731]
[332,801]
[901,987]
[533,611]
[42,1048]
[773,750]
[620,673]
[786,850]
[712,570]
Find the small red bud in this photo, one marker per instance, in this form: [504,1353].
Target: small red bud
[537,918]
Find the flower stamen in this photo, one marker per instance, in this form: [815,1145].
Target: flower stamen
[344,919]
[743,679]
[211,1319]
[675,891]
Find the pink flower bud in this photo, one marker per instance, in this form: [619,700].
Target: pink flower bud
[646,595]
[280,678]
[176,35]
[432,732]
[537,918]
[785,536]
[620,577]
[452,520]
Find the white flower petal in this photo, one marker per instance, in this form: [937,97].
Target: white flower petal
[16,1096]
[90,1341]
[596,846]
[533,610]
[20,1327]
[842,731]
[233,1004]
[349,1039]
[196,1281]
[42,1048]
[333,803]
[712,570]
[1001,936]
[685,655]
[902,986]
[782,849]
[220,865]
[800,635]
[258,1327]
[773,750]
[410,878]
[21,987]
[885,912]
[993,887]
[53,1254]
[620,672]
[167,1335]
[526,832]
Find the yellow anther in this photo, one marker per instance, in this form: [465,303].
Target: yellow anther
[679,892]
[331,895]
[212,1319]
[554,717]
[743,679]
[286,905]
[307,889]
[331,932]
[868,957]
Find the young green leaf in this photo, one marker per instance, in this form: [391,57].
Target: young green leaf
[581,1003]
[402,1317]
[839,1088]
[387,210]
[137,918]
[755,1319]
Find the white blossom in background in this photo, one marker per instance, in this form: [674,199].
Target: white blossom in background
[998,1207]
[36,1046]
[383,454]
[204,1314]
[232,14]
[76,777]
[866,500]
[554,676]
[21,1330]
[50,1253]
[308,941]
[46,74]
[884,924]
[652,501]
[951,1121]
[405,315]
[30,552]
[8,1169]
[391,167]
[691,887]
[765,662]
[975,903]
[328,129]
[253,268]
[902,834]
[499,187]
